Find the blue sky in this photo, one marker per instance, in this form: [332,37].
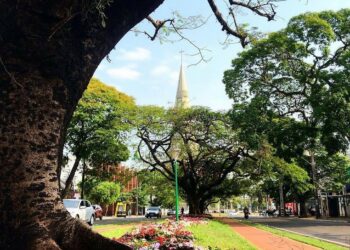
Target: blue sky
[148,70]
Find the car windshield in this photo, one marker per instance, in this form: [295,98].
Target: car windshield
[71,203]
[153,208]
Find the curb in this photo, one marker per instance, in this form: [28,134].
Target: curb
[325,220]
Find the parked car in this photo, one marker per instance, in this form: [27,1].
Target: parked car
[153,212]
[171,212]
[80,209]
[98,211]
[232,213]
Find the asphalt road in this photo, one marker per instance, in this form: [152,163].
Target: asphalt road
[121,220]
[336,231]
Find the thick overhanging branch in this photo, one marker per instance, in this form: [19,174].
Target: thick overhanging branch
[157,24]
[225,26]
[235,158]
[261,8]
[152,148]
[171,26]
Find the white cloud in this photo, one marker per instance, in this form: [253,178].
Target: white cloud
[138,54]
[166,73]
[160,70]
[174,75]
[127,72]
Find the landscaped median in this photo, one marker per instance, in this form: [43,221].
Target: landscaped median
[188,233]
[297,237]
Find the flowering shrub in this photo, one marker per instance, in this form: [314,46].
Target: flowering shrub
[169,235]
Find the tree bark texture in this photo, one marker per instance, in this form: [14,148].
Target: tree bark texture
[48,52]
[195,201]
[303,210]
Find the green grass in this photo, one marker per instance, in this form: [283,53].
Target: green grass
[118,230]
[218,236]
[113,230]
[117,233]
[301,238]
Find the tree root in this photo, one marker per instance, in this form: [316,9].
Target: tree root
[74,234]
[67,234]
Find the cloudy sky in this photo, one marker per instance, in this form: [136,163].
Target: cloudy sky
[148,70]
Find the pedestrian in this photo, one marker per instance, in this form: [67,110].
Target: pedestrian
[182,211]
[246,213]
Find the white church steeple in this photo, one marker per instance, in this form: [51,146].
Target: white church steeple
[182,99]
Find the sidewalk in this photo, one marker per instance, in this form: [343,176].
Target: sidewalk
[264,240]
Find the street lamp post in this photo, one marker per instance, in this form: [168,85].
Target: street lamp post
[176,191]
[175,155]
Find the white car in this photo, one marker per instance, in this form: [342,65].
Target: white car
[80,209]
[153,212]
[232,213]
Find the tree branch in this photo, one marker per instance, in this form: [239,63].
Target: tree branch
[225,26]
[259,8]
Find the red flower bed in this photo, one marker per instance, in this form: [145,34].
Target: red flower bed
[169,235]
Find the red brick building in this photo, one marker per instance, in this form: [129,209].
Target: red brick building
[128,180]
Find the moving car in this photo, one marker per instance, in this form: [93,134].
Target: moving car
[80,209]
[153,212]
[98,211]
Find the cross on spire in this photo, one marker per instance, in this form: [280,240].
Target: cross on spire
[181,53]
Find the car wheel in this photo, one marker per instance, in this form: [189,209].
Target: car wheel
[92,220]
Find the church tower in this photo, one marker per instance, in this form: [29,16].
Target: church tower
[182,99]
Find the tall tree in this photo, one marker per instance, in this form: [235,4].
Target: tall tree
[279,144]
[97,130]
[209,152]
[48,52]
[302,72]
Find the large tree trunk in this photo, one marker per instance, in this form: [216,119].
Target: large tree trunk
[315,183]
[281,199]
[48,53]
[196,204]
[302,211]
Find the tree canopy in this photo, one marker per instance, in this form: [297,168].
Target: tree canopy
[97,131]
[292,88]
[105,193]
[301,72]
[209,152]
